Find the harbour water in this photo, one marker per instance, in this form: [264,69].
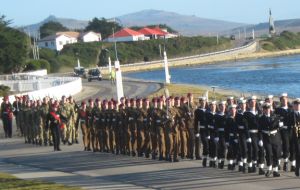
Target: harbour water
[259,76]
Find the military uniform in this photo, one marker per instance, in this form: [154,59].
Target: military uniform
[28,123]
[220,124]
[96,128]
[82,120]
[17,105]
[44,109]
[158,116]
[53,122]
[213,145]
[201,132]
[142,119]
[231,138]
[7,116]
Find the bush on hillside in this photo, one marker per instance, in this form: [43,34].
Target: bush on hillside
[33,65]
[4,90]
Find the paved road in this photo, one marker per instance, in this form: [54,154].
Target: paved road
[73,166]
[91,170]
[104,89]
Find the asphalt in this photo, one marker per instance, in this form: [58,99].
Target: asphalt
[75,167]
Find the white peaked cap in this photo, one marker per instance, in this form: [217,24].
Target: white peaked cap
[202,98]
[232,106]
[284,95]
[230,98]
[270,96]
[253,98]
[222,102]
[213,102]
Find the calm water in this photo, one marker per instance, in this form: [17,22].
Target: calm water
[262,76]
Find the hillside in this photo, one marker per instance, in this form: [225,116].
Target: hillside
[286,40]
[185,24]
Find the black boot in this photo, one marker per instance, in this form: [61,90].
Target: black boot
[233,167]
[210,163]
[244,168]
[297,172]
[268,173]
[250,169]
[276,174]
[285,166]
[198,158]
[240,168]
[293,168]
[204,162]
[261,171]
[229,167]
[254,168]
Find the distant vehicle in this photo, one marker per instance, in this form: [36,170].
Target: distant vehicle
[232,37]
[94,74]
[80,72]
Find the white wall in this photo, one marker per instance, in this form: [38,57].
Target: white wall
[42,72]
[127,38]
[91,37]
[67,89]
[63,40]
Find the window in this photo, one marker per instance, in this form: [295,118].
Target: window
[52,43]
[46,44]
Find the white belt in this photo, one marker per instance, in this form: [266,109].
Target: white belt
[253,131]
[96,118]
[270,132]
[158,121]
[201,127]
[211,127]
[102,119]
[130,118]
[231,134]
[241,127]
[284,127]
[113,119]
[221,129]
[82,120]
[145,119]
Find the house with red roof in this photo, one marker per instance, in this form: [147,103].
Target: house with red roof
[126,35]
[155,33]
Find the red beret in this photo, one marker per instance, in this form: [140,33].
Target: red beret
[189,94]
[127,101]
[121,105]
[97,100]
[109,102]
[182,98]
[90,100]
[83,103]
[176,98]
[132,100]
[154,99]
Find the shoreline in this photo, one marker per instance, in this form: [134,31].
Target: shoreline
[207,60]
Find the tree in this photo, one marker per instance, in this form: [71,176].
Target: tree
[102,26]
[33,65]
[14,48]
[50,28]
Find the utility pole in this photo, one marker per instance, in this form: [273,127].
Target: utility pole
[217,39]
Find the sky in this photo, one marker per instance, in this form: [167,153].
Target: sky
[24,12]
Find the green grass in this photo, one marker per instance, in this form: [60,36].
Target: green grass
[10,182]
[286,40]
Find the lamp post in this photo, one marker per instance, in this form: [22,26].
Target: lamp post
[109,61]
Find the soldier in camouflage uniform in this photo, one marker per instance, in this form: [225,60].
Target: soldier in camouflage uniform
[64,111]
[183,128]
[44,108]
[71,121]
[96,127]
[90,123]
[113,125]
[16,110]
[158,118]
[146,127]
[153,129]
[189,115]
[27,122]
[39,123]
[119,135]
[82,119]
[141,115]
[132,122]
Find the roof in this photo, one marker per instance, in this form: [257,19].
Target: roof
[54,36]
[85,33]
[150,31]
[69,33]
[160,30]
[125,32]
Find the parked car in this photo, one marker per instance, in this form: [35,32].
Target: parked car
[80,72]
[94,74]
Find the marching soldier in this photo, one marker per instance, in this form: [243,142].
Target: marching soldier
[220,124]
[106,123]
[270,138]
[153,128]
[295,122]
[183,128]
[71,136]
[17,105]
[28,122]
[53,122]
[243,134]
[146,126]
[96,126]
[44,108]
[201,131]
[7,116]
[159,125]
[190,117]
[231,137]
[123,129]
[251,118]
[141,115]
[90,123]
[113,125]
[213,146]
[82,120]
[285,132]
[64,111]
[132,122]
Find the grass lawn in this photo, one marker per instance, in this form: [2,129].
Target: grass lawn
[8,181]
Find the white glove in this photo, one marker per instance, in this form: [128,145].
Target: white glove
[249,140]
[208,137]
[280,124]
[197,135]
[216,139]
[227,143]
[236,140]
[260,143]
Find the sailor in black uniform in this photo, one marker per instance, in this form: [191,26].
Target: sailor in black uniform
[220,124]
[201,131]
[211,134]
[270,137]
[295,123]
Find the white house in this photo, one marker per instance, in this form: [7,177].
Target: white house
[126,35]
[57,41]
[90,37]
